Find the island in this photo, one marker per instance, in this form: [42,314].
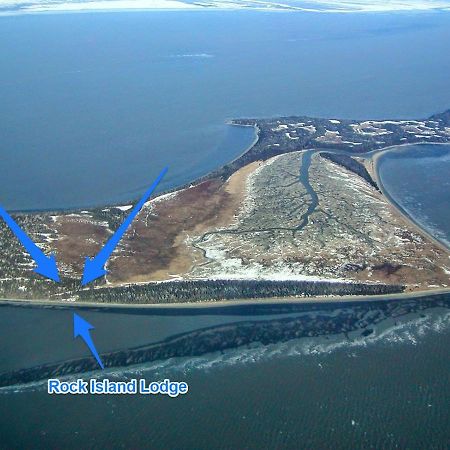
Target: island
[300,214]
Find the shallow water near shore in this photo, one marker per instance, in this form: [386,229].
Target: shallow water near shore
[345,388]
[417,177]
[155,89]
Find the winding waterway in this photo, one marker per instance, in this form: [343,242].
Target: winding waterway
[93,105]
[304,179]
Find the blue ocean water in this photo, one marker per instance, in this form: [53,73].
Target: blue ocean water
[344,390]
[92,106]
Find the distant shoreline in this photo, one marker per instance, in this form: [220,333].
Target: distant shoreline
[195,181]
[224,172]
[36,7]
[217,171]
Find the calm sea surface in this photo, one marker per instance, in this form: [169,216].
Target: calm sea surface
[92,106]
[417,177]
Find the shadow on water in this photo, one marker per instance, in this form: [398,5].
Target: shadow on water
[252,325]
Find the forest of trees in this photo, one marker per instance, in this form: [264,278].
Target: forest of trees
[214,290]
[351,164]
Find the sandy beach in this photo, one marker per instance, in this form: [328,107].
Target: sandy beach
[224,303]
[171,238]
[373,169]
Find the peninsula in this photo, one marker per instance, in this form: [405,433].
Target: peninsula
[300,214]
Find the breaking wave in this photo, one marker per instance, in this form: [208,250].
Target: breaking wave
[407,330]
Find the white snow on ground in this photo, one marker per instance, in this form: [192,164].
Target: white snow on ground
[375,5]
[124,208]
[233,269]
[280,127]
[163,197]
[328,6]
[34,6]
[309,128]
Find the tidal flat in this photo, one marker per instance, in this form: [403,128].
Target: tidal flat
[299,214]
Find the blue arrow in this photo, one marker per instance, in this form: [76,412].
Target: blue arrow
[81,328]
[46,265]
[94,268]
